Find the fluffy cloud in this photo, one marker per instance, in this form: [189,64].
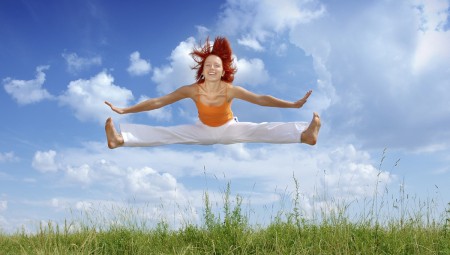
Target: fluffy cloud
[263,19]
[76,63]
[202,31]
[434,14]
[44,161]
[124,180]
[428,58]
[3,205]
[152,173]
[178,72]
[371,67]
[348,174]
[152,177]
[383,69]
[8,157]
[161,114]
[138,66]
[251,43]
[80,174]
[148,184]
[86,97]
[28,91]
[251,72]
[432,51]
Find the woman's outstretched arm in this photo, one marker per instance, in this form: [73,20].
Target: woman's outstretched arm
[155,103]
[267,100]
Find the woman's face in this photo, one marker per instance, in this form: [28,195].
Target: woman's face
[212,68]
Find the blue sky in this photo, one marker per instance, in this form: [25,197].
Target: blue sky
[379,70]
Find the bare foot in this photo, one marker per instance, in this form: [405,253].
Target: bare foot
[114,139]
[310,135]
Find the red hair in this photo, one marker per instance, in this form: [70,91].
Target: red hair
[220,48]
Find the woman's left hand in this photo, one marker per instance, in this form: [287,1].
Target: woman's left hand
[116,109]
[301,102]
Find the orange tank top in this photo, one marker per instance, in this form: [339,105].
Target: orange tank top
[214,116]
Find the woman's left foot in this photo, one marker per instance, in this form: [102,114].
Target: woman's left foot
[114,139]
[310,135]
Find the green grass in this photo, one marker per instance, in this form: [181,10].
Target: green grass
[229,232]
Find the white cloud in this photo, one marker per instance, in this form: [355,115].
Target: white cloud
[152,173]
[80,174]
[4,224]
[8,157]
[251,43]
[161,114]
[432,148]
[100,167]
[44,161]
[202,31]
[149,184]
[251,72]
[3,205]
[374,66]
[28,91]
[349,174]
[152,177]
[281,50]
[432,52]
[76,63]
[262,19]
[59,204]
[236,151]
[86,97]
[55,202]
[178,72]
[371,67]
[84,205]
[434,14]
[138,66]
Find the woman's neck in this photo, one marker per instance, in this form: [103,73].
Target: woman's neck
[213,85]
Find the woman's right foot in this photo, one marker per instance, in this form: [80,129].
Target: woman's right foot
[114,139]
[310,135]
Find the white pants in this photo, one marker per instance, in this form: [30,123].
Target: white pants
[199,133]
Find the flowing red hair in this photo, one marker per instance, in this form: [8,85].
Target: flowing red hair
[220,48]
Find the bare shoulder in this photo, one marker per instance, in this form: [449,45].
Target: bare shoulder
[237,91]
[189,87]
[187,90]
[231,90]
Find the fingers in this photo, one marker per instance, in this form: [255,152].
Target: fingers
[307,94]
[111,106]
[302,101]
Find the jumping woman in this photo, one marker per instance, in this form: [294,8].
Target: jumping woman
[213,93]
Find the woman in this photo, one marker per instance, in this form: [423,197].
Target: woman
[213,94]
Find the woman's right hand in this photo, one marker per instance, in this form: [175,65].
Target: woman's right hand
[116,109]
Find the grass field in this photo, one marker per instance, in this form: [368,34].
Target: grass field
[414,229]
[229,232]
